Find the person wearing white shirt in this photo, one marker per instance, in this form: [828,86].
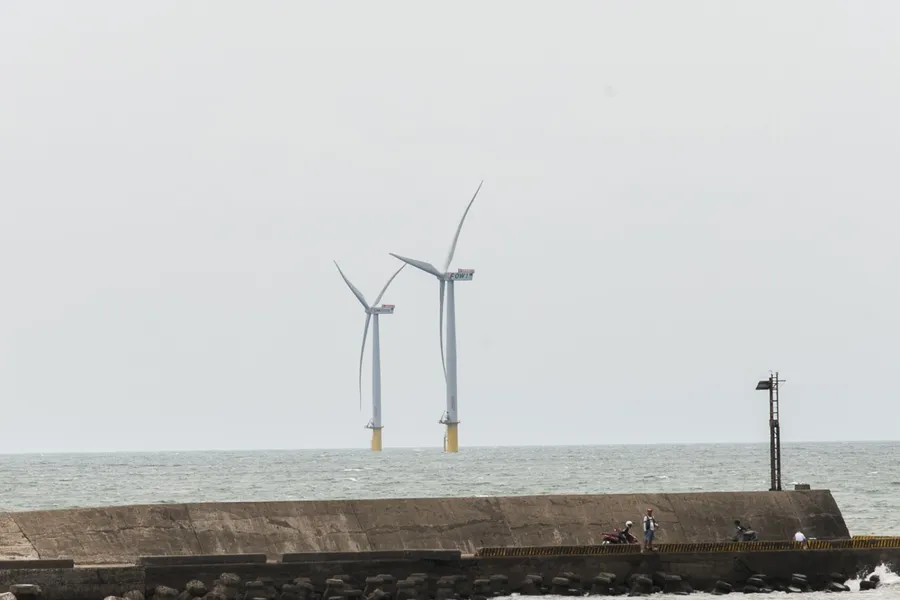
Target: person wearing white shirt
[801,539]
[649,530]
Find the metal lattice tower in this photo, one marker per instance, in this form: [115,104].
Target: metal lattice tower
[771,384]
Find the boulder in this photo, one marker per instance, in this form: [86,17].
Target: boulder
[669,584]
[134,595]
[799,581]
[602,585]
[372,584]
[333,588]
[640,585]
[195,588]
[304,588]
[446,589]
[291,591]
[228,585]
[499,585]
[406,589]
[723,587]
[537,581]
[25,591]
[531,586]
[230,580]
[254,590]
[163,592]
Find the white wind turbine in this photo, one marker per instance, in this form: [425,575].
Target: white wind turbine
[450,418]
[372,311]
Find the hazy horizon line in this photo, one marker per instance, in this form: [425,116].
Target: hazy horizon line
[438,448]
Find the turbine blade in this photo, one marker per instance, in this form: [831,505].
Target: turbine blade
[419,264]
[362,354]
[384,289]
[356,292]
[443,362]
[459,228]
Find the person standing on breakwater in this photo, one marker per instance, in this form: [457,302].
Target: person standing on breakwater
[801,539]
[649,530]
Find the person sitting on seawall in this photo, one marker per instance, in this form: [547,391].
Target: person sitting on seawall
[744,534]
[625,536]
[801,539]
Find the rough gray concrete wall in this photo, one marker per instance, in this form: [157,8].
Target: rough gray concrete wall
[119,534]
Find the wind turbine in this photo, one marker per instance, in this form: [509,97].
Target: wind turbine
[450,418]
[372,314]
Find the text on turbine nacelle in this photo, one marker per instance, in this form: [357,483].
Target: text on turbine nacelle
[462,275]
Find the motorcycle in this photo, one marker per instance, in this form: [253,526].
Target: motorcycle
[746,535]
[615,537]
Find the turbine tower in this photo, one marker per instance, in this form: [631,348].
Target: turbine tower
[372,314]
[450,418]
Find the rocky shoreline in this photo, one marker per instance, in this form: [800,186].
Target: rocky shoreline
[419,586]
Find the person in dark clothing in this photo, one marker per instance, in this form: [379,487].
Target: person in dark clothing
[743,534]
[625,536]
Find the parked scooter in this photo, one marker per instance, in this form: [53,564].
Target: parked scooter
[618,537]
[744,534]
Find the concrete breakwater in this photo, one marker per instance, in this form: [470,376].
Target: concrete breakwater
[427,549]
[120,534]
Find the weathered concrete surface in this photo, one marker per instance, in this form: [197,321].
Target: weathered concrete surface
[119,535]
[112,535]
[275,528]
[13,543]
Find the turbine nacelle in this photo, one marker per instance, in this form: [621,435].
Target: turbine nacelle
[384,309]
[460,275]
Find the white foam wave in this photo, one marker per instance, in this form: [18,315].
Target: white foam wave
[888,578]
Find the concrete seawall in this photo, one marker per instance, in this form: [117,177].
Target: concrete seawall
[120,534]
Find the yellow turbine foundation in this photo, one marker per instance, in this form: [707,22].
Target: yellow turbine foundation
[452,444]
[376,440]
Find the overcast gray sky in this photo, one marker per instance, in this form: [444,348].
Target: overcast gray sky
[678,197]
